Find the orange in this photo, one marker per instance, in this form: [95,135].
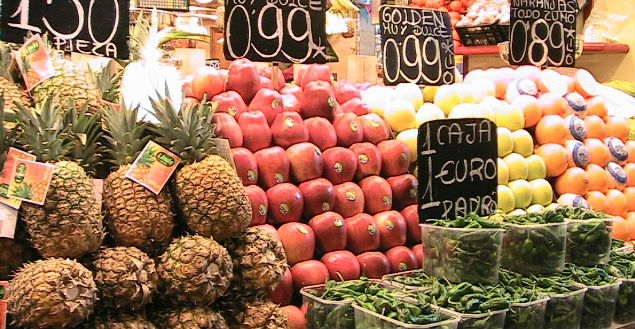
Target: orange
[598,179]
[552,81]
[617,203]
[530,72]
[598,151]
[596,106]
[630,148]
[621,229]
[574,180]
[529,105]
[585,83]
[629,168]
[616,176]
[629,193]
[555,158]
[575,104]
[630,219]
[576,127]
[570,83]
[577,154]
[552,129]
[595,127]
[631,216]
[597,201]
[552,103]
[617,127]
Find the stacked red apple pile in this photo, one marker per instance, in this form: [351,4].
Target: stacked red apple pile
[321,171]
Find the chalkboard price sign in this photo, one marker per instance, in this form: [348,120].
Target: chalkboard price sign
[543,32]
[289,31]
[457,168]
[416,45]
[94,27]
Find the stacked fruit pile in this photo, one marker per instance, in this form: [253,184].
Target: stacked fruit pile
[456,8]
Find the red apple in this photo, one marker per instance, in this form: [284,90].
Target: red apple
[187,102]
[269,229]
[290,103]
[283,293]
[373,264]
[392,229]
[368,160]
[265,83]
[330,232]
[377,194]
[227,127]
[259,204]
[418,251]
[298,241]
[356,106]
[230,102]
[411,215]
[318,100]
[395,157]
[207,83]
[404,190]
[348,129]
[316,72]
[298,77]
[258,133]
[243,78]
[294,90]
[268,102]
[246,166]
[342,265]
[345,90]
[340,165]
[266,72]
[375,128]
[285,203]
[224,73]
[319,196]
[309,273]
[321,132]
[349,199]
[306,161]
[401,259]
[187,86]
[273,166]
[295,317]
[362,233]
[288,129]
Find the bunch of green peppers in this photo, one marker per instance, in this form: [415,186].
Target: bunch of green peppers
[625,306]
[536,249]
[588,243]
[565,306]
[601,296]
[414,281]
[523,313]
[463,256]
[617,244]
[336,315]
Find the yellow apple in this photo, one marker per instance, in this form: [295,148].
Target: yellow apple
[506,200]
[428,112]
[464,110]
[523,142]
[522,192]
[429,92]
[517,212]
[505,141]
[552,206]
[503,172]
[400,115]
[536,166]
[517,165]
[410,92]
[541,191]
[482,88]
[378,98]
[510,117]
[409,137]
[447,97]
[535,209]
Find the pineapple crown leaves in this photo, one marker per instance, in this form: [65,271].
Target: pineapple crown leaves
[107,80]
[188,132]
[6,61]
[125,136]
[83,137]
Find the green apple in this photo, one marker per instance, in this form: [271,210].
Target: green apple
[517,212]
[535,209]
[517,165]
[505,141]
[428,112]
[510,117]
[503,172]
[522,192]
[552,206]
[506,201]
[541,191]
[523,142]
[409,137]
[536,166]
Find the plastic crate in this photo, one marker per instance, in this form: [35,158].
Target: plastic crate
[483,35]
[442,260]
[564,311]
[178,5]
[625,305]
[599,306]
[589,241]
[490,320]
[529,315]
[365,319]
[531,249]
[390,279]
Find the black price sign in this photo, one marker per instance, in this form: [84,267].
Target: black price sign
[416,45]
[543,32]
[457,168]
[92,27]
[289,31]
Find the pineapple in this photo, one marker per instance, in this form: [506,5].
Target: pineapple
[53,293]
[126,277]
[195,270]
[12,92]
[135,216]
[208,191]
[190,318]
[260,314]
[118,321]
[69,224]
[259,262]
[108,81]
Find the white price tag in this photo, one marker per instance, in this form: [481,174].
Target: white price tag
[8,220]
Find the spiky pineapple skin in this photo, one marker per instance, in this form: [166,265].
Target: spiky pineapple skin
[260,314]
[190,318]
[212,198]
[119,321]
[69,224]
[13,94]
[259,262]
[52,293]
[135,216]
[126,277]
[195,270]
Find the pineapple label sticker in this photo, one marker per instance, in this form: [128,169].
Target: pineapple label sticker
[153,167]
[7,172]
[30,181]
[34,62]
